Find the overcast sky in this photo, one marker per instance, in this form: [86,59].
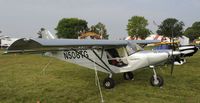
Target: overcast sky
[24,18]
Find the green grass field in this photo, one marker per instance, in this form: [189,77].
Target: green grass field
[23,79]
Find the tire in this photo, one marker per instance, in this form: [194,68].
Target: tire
[159,83]
[109,83]
[128,76]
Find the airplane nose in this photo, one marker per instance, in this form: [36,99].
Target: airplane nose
[155,58]
[174,53]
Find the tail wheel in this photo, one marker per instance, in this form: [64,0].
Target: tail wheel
[128,76]
[157,82]
[108,83]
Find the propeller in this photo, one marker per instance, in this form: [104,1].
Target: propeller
[173,59]
[172,63]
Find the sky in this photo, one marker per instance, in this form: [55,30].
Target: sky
[24,18]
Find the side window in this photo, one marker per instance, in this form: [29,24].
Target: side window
[116,57]
[121,52]
[129,50]
[112,52]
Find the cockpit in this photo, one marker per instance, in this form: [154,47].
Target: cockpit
[118,56]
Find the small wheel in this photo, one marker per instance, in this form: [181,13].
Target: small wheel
[128,76]
[158,83]
[108,83]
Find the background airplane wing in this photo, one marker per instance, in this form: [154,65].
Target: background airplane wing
[144,41]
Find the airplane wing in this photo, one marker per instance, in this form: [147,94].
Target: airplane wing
[144,41]
[33,45]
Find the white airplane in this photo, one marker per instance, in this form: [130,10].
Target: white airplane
[185,51]
[108,56]
[188,50]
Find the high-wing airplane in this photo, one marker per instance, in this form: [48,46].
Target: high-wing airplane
[188,50]
[108,56]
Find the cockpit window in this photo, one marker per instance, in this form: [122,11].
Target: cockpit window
[132,48]
[139,48]
[129,50]
[117,56]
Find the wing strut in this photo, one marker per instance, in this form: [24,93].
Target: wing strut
[102,52]
[102,61]
[92,60]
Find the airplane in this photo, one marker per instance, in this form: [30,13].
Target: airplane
[188,50]
[108,56]
[185,50]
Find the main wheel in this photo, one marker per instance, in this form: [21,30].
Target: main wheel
[128,76]
[158,83]
[108,83]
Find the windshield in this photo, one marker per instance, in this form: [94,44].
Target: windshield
[132,48]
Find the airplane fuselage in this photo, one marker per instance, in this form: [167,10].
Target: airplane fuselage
[98,59]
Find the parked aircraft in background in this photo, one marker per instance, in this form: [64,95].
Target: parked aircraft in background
[185,50]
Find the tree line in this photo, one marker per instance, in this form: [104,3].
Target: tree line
[73,27]
[136,27]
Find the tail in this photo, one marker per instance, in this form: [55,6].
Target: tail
[45,34]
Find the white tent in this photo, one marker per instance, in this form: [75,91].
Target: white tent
[151,37]
[158,37]
[184,40]
[6,41]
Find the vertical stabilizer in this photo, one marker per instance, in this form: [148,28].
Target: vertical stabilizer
[45,34]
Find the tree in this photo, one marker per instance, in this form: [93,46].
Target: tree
[100,29]
[71,28]
[171,26]
[193,32]
[137,27]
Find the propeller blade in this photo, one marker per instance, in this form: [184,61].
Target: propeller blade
[172,64]
[173,59]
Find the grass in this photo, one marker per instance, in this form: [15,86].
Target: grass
[23,79]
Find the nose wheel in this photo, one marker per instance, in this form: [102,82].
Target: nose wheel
[158,81]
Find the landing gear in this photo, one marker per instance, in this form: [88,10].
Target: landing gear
[128,76]
[156,80]
[109,83]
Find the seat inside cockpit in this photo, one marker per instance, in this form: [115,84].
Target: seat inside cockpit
[117,56]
